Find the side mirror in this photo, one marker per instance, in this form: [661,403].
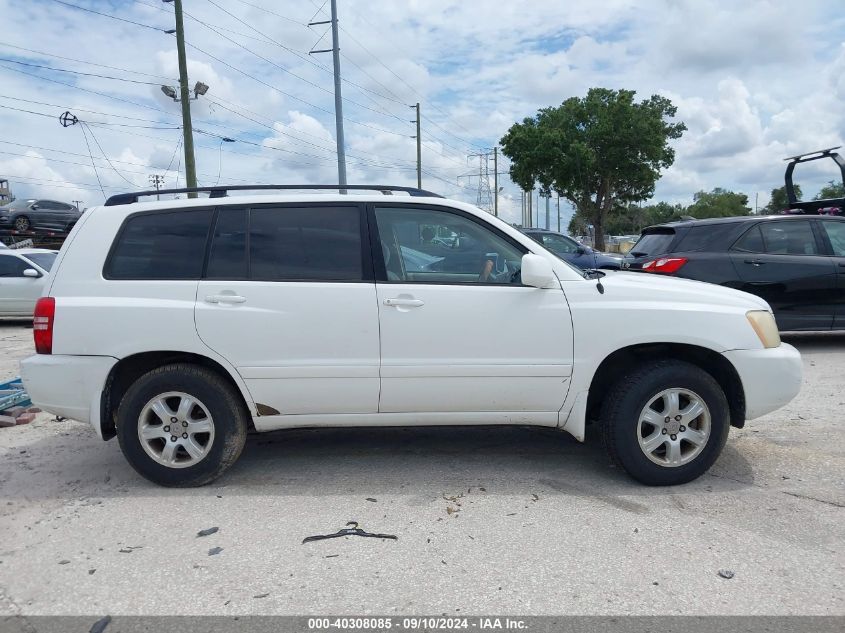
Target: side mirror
[580,250]
[31,272]
[33,206]
[537,271]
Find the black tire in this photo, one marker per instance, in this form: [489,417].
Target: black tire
[627,398]
[227,411]
[22,223]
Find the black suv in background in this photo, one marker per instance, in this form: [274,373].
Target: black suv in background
[796,263]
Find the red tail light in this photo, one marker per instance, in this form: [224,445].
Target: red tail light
[42,325]
[665,265]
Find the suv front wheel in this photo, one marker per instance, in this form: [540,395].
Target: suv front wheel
[666,422]
[181,425]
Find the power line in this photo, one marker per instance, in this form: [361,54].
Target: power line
[282,68]
[101,94]
[56,105]
[402,79]
[82,61]
[77,72]
[107,15]
[264,83]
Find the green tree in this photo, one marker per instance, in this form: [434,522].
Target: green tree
[599,152]
[779,200]
[719,203]
[831,190]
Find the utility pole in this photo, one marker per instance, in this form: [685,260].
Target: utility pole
[547,195]
[419,147]
[496,181]
[558,213]
[338,97]
[187,129]
[77,203]
[156,180]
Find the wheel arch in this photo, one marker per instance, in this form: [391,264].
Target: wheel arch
[626,359]
[132,367]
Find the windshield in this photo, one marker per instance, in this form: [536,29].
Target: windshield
[44,260]
[656,243]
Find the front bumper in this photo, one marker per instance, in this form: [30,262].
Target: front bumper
[771,378]
[70,386]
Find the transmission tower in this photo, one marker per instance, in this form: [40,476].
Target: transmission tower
[484,199]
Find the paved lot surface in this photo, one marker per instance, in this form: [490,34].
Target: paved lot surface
[489,520]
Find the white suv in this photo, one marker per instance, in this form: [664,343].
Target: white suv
[180,325]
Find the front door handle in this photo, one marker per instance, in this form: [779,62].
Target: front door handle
[225,299]
[754,262]
[398,302]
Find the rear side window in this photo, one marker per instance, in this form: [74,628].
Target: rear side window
[789,238]
[305,243]
[656,243]
[227,259]
[169,245]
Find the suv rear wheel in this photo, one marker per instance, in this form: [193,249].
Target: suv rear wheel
[665,423]
[181,425]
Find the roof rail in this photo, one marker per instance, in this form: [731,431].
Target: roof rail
[222,191]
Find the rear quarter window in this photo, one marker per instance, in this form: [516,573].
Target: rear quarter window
[160,245]
[654,243]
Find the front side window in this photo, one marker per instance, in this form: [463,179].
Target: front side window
[836,234]
[11,266]
[306,243]
[437,246]
[169,245]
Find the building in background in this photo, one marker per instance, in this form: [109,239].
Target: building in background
[5,192]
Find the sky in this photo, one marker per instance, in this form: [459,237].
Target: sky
[754,81]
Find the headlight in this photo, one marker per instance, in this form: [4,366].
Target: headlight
[764,325]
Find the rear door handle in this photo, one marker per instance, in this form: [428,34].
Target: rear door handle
[754,262]
[225,299]
[404,303]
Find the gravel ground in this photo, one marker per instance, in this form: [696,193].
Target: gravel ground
[488,520]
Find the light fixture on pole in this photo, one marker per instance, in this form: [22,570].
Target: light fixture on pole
[199,89]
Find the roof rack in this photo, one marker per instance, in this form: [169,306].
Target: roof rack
[812,206]
[222,191]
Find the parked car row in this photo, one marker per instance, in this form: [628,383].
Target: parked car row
[38,215]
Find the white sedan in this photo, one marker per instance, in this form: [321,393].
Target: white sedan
[22,275]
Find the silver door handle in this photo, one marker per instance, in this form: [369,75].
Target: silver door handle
[404,303]
[225,299]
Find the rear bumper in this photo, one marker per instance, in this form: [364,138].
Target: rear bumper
[70,386]
[771,378]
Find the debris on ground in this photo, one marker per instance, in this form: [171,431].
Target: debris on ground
[261,595]
[64,562]
[371,499]
[214,551]
[349,531]
[100,625]
[207,531]
[726,573]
